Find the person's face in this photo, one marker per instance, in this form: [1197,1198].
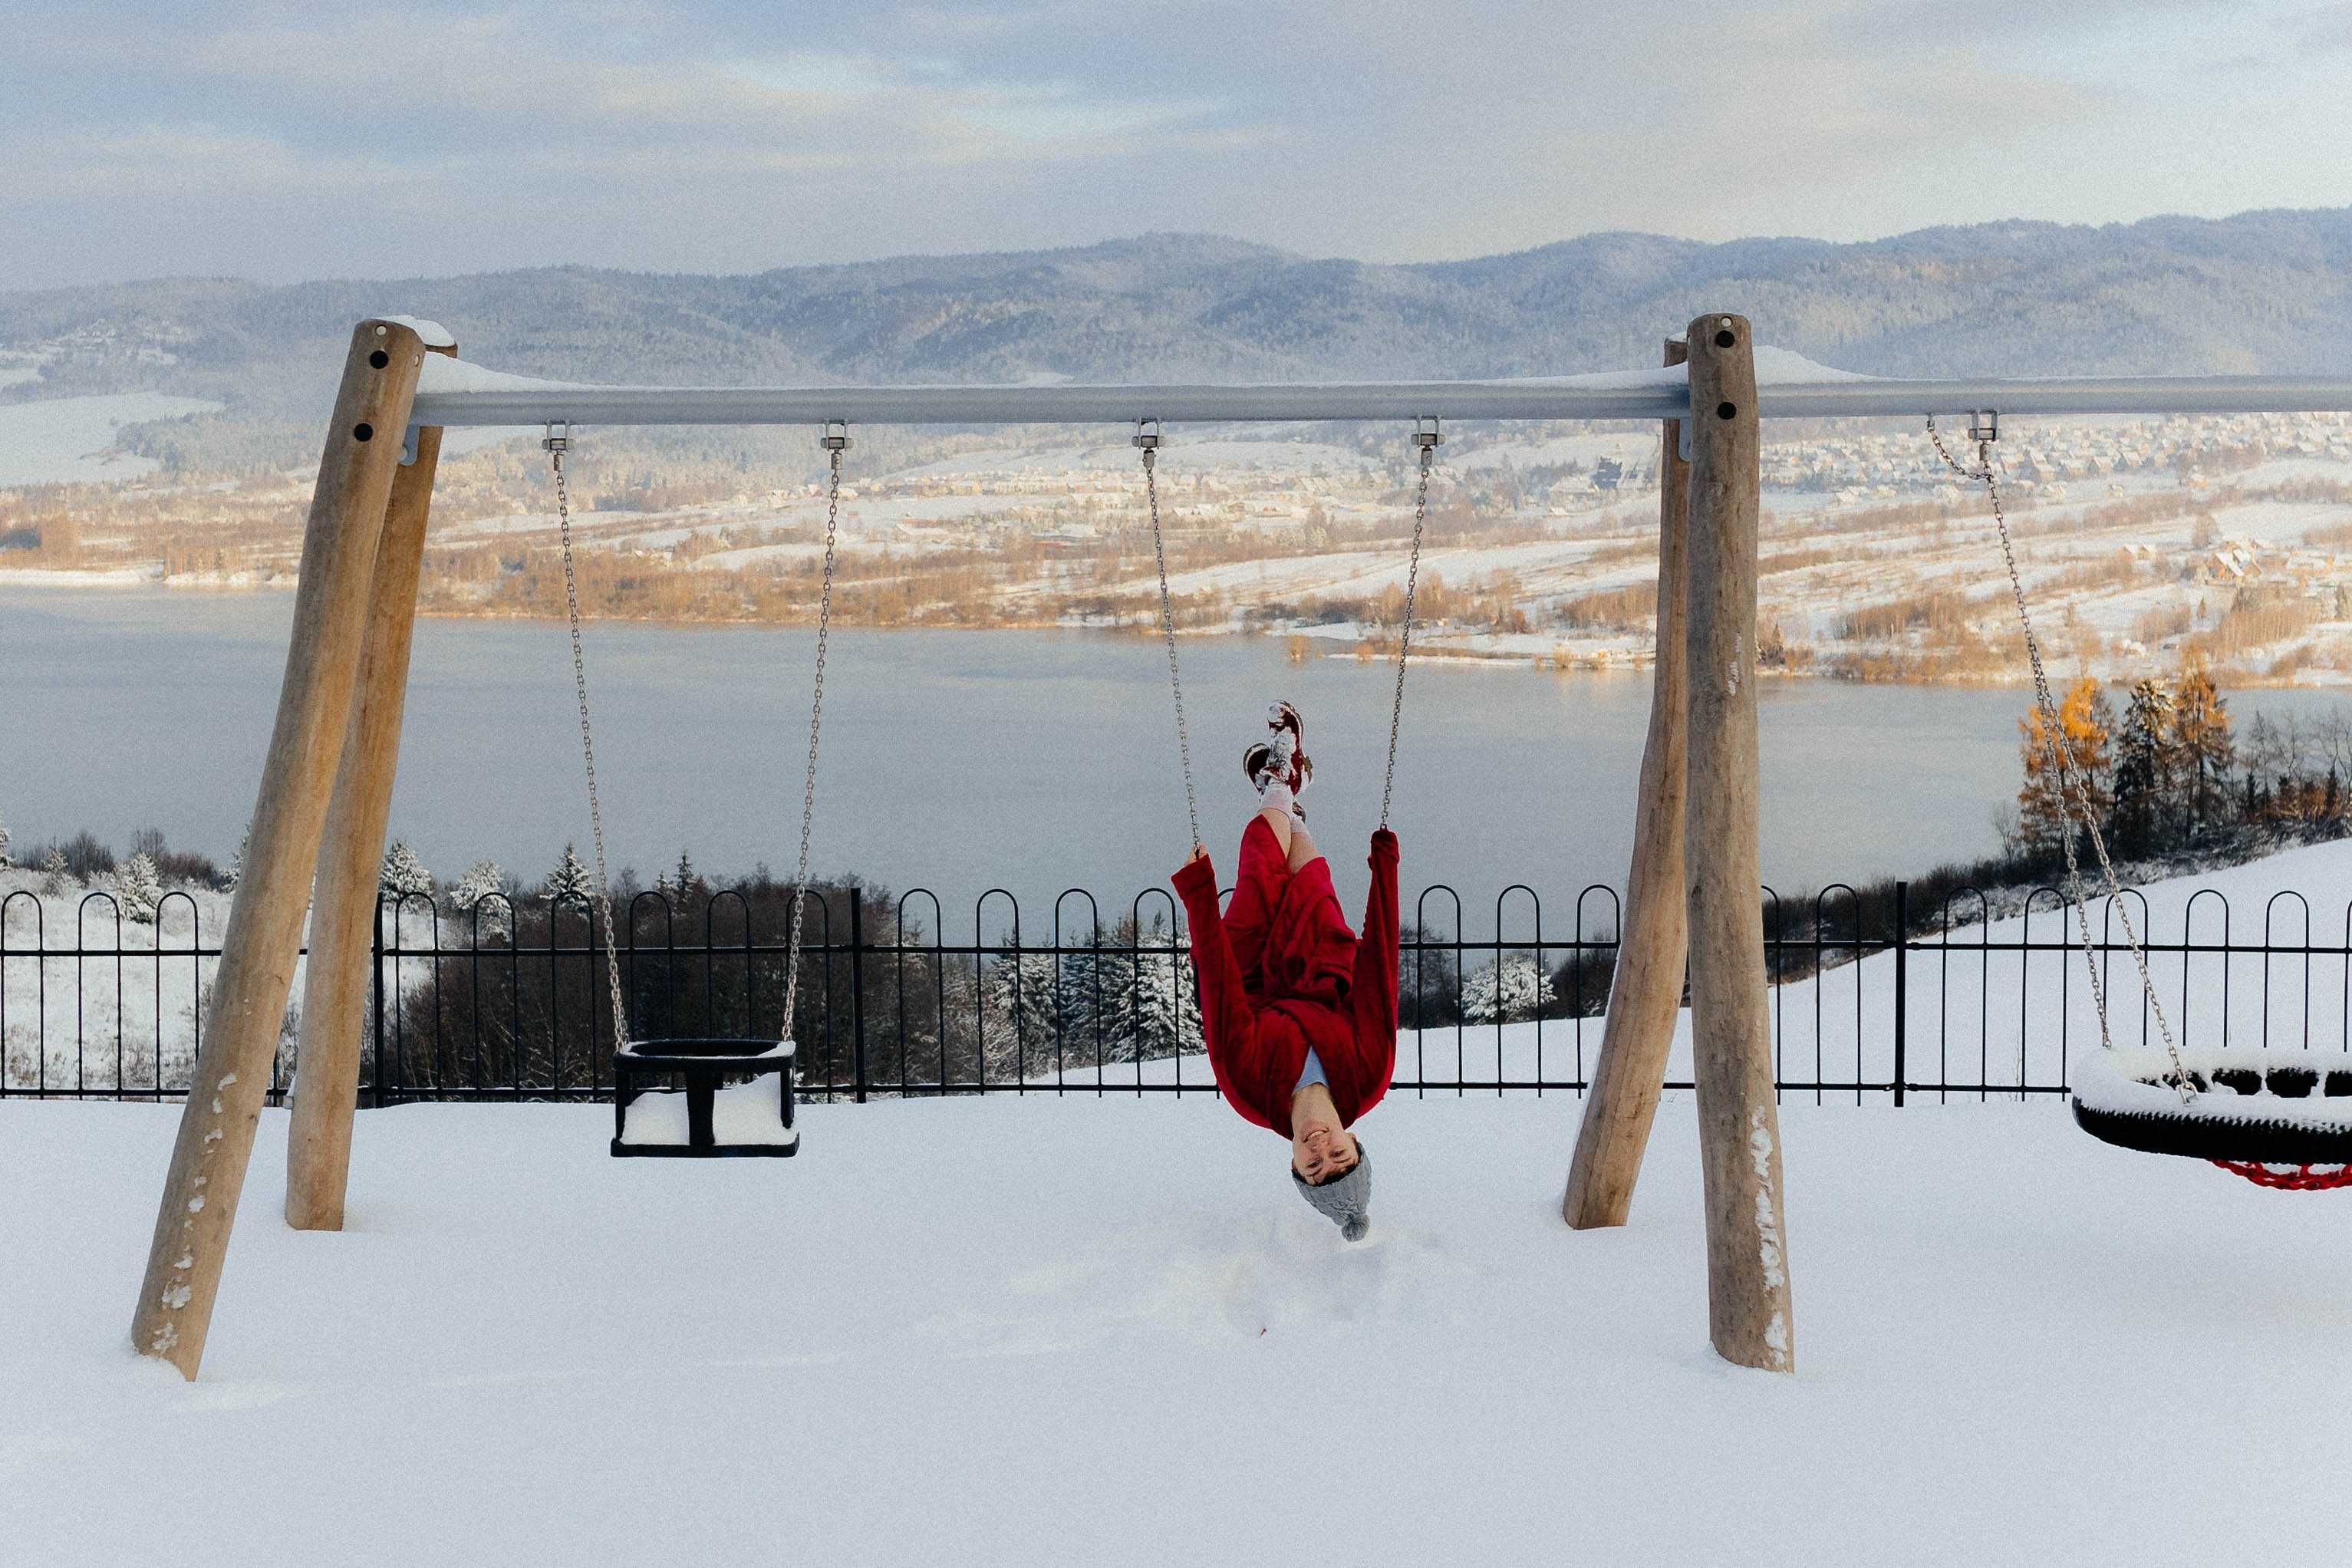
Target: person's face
[1320,1152]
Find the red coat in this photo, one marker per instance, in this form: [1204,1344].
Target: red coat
[1280,972]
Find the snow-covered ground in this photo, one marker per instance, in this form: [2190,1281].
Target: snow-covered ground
[72,439]
[1041,1330]
[1038,1332]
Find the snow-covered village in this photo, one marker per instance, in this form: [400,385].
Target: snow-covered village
[1035,785]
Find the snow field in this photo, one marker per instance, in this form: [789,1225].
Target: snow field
[1037,1331]
[70,440]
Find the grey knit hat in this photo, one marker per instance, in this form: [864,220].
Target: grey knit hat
[1346,1201]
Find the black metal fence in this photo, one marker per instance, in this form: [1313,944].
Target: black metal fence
[507,999]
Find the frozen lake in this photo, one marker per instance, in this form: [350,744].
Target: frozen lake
[958,761]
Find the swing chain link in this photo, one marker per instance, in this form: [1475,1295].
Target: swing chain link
[555,445]
[836,441]
[2073,789]
[1426,436]
[1147,438]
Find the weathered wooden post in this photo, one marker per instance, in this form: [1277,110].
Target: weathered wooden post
[343,904]
[1749,1313]
[1645,994]
[231,1075]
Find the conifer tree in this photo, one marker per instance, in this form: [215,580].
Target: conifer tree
[1158,999]
[480,894]
[404,875]
[138,888]
[1062,1007]
[4,862]
[1509,990]
[1026,992]
[2200,736]
[2144,767]
[570,881]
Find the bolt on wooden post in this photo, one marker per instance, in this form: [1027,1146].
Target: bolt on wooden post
[1749,1313]
[231,1073]
[344,902]
[1645,994]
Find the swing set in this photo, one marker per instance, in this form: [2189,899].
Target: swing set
[318,823]
[757,1114]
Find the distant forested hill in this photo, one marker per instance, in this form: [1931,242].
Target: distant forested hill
[2262,291]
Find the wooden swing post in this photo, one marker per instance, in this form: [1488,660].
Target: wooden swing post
[1645,994]
[344,902]
[231,1074]
[1749,1314]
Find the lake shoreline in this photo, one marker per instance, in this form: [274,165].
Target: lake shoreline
[44,580]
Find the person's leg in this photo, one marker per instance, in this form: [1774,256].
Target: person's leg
[1309,950]
[1258,892]
[1286,830]
[1302,846]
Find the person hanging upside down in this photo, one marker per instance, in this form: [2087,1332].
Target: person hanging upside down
[1300,1016]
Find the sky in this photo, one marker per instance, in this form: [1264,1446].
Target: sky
[147,138]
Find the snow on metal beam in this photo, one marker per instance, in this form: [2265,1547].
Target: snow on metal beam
[454,393]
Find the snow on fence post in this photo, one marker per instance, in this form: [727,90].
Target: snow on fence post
[1645,992]
[1749,1314]
[265,929]
[335,983]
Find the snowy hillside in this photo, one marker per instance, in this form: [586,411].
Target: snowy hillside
[2262,295]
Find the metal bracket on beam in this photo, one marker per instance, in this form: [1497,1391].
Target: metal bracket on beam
[408,446]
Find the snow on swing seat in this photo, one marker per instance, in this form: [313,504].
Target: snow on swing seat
[709,1117]
[2251,1109]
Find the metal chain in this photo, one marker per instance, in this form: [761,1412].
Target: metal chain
[555,447]
[2073,789]
[834,445]
[1150,445]
[1428,443]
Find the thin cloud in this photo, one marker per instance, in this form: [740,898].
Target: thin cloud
[242,137]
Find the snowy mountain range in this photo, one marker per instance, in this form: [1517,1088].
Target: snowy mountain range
[2261,291]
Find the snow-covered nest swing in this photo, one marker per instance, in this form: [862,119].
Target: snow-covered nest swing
[716,1098]
[2276,1117]
[2279,1119]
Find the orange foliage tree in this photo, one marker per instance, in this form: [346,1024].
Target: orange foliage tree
[2085,738]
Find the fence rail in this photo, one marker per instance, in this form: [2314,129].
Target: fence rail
[503,999]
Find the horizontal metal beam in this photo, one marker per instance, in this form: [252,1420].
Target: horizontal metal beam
[2071,395]
[1046,405]
[470,399]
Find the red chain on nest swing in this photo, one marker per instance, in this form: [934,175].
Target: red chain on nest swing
[2291,1178]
